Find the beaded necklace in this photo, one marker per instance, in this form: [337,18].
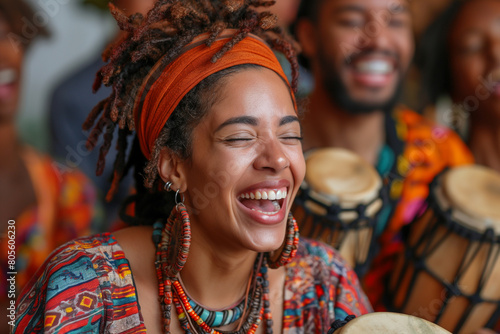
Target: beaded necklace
[190,320]
[217,318]
[193,317]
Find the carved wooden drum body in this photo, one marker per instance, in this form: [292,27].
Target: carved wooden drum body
[339,203]
[450,270]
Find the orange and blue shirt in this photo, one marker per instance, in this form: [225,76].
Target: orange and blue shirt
[416,151]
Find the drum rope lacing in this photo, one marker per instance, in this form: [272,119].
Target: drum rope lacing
[417,257]
[332,224]
[337,324]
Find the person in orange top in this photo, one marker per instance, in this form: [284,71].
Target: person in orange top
[41,206]
[359,52]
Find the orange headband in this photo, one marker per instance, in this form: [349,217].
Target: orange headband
[154,109]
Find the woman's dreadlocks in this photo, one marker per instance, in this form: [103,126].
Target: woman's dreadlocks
[162,34]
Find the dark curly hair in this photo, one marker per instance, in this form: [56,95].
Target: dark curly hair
[162,34]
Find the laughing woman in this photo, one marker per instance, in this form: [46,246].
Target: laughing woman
[218,160]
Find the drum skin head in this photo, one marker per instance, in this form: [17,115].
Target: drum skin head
[342,176]
[474,193]
[390,323]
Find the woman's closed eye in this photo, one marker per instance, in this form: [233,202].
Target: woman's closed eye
[233,140]
[471,44]
[291,138]
[238,140]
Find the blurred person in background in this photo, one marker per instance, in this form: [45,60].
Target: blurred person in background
[424,12]
[359,52]
[41,206]
[71,102]
[286,11]
[460,57]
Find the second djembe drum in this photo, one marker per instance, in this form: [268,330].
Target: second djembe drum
[449,272]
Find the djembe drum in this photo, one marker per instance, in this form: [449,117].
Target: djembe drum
[390,323]
[339,203]
[450,270]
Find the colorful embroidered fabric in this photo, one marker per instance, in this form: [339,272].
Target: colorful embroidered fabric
[418,151]
[66,209]
[86,286]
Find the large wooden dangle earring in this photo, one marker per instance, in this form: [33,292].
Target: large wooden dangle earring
[179,219]
[289,248]
[171,254]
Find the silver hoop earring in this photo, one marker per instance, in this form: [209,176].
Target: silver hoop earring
[168,186]
[177,193]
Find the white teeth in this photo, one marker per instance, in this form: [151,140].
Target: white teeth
[7,76]
[374,67]
[279,194]
[272,195]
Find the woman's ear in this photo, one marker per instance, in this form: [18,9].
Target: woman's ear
[170,168]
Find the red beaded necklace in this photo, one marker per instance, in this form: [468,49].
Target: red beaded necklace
[167,273]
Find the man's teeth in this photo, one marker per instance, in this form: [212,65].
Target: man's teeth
[374,67]
[271,195]
[7,76]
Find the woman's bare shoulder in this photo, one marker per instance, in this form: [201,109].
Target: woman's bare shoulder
[136,242]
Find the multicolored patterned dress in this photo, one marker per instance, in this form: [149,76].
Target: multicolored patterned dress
[416,151]
[87,286]
[66,208]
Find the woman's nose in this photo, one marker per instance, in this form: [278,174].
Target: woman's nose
[271,157]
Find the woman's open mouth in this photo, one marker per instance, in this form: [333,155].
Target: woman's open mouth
[268,202]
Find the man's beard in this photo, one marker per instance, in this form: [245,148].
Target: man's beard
[339,93]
